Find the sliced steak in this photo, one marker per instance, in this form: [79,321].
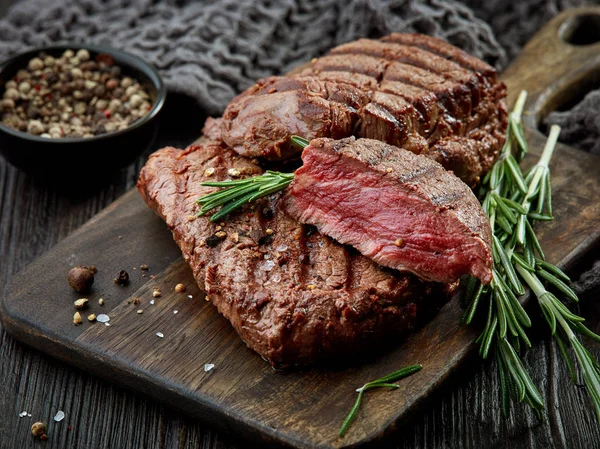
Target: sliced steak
[292,294]
[402,210]
[409,90]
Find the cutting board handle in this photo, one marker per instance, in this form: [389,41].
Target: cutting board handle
[561,62]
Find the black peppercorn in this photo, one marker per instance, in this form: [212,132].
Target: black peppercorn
[99,130]
[265,240]
[122,278]
[213,241]
[99,90]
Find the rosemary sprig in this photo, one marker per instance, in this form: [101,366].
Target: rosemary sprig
[513,202]
[383,382]
[234,194]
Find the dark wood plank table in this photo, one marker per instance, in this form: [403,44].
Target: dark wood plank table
[34,216]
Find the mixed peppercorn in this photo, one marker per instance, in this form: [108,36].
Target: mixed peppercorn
[74,95]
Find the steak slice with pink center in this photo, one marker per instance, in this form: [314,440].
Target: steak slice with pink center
[402,210]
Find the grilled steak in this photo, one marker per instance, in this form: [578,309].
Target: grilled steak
[402,210]
[410,90]
[292,294]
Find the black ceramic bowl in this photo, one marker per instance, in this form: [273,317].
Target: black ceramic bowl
[91,155]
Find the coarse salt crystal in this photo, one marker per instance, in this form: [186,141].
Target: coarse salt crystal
[175,312]
[107,324]
[22,414]
[281,248]
[190,296]
[59,416]
[102,318]
[268,265]
[160,334]
[152,302]
[208,367]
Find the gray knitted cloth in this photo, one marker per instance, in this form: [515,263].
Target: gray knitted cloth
[212,50]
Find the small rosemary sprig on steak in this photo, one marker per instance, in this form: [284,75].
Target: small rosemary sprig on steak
[234,194]
[383,382]
[514,202]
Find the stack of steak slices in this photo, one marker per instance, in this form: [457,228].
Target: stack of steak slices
[294,295]
[412,91]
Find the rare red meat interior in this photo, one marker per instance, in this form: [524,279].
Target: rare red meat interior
[402,210]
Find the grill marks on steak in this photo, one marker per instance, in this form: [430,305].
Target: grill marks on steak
[409,90]
[295,296]
[402,210]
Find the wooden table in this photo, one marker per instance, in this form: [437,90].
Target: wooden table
[35,216]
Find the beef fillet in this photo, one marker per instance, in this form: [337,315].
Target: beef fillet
[409,90]
[402,210]
[292,294]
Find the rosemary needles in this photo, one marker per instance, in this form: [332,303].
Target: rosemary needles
[234,194]
[383,382]
[513,202]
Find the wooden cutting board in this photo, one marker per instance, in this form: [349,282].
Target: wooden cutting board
[242,394]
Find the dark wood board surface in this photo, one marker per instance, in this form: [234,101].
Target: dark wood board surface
[144,240]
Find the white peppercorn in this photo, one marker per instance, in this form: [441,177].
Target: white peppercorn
[49,61]
[22,75]
[130,91]
[80,108]
[115,105]
[7,104]
[36,64]
[35,127]
[76,73]
[83,54]
[144,107]
[76,121]
[135,101]
[126,82]
[101,105]
[24,87]
[12,94]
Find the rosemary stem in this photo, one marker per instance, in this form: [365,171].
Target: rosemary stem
[519,105]
[541,166]
[541,293]
[531,280]
[550,146]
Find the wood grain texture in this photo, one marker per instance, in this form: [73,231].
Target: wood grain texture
[463,414]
